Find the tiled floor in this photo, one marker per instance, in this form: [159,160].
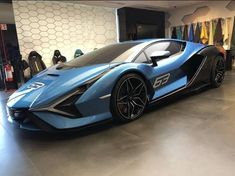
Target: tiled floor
[194,136]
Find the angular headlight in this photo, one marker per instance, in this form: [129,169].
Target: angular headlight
[66,105]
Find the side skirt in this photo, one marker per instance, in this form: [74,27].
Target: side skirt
[184,89]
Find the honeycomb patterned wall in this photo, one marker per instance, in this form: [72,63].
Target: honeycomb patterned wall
[48,25]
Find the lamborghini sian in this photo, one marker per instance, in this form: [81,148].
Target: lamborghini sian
[117,81]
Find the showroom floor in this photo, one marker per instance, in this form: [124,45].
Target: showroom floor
[192,136]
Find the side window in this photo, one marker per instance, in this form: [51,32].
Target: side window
[173,47]
[141,59]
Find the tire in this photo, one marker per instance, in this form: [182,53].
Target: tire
[217,73]
[129,98]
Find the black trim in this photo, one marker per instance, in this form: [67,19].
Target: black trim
[68,106]
[184,44]
[42,125]
[24,116]
[191,66]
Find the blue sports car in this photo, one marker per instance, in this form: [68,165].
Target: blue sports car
[117,81]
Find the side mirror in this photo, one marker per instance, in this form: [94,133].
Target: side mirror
[158,55]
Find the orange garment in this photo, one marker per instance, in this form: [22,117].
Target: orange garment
[211,34]
[204,35]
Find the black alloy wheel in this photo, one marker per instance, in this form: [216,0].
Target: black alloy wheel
[218,72]
[129,98]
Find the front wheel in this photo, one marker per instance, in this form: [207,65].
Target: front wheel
[218,70]
[129,98]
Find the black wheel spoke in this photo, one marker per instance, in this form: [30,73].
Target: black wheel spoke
[129,110]
[131,97]
[122,103]
[219,71]
[122,98]
[220,74]
[139,99]
[130,84]
[137,104]
[137,92]
[127,87]
[133,108]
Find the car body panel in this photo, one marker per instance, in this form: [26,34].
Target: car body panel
[170,87]
[40,94]
[57,83]
[61,122]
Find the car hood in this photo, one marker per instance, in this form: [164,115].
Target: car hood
[53,83]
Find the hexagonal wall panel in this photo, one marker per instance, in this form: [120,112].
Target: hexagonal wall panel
[48,25]
[231,6]
[199,12]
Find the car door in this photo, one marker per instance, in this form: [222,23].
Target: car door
[165,78]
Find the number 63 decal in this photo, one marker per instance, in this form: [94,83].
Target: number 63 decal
[161,80]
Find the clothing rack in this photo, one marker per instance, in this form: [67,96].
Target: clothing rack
[201,22]
[200,31]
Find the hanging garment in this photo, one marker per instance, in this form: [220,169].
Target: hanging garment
[232,44]
[197,34]
[210,34]
[191,33]
[218,36]
[212,31]
[230,25]
[226,36]
[204,35]
[179,32]
[185,33]
[214,23]
[173,33]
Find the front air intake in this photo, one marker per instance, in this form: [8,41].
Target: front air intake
[69,107]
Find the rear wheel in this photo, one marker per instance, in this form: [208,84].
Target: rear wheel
[218,70]
[129,98]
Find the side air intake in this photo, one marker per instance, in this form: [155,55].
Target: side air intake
[191,67]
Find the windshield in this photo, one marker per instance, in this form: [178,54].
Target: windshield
[111,53]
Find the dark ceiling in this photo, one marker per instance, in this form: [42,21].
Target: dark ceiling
[5,1]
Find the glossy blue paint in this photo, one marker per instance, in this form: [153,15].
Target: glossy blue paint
[57,86]
[59,83]
[175,62]
[171,87]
